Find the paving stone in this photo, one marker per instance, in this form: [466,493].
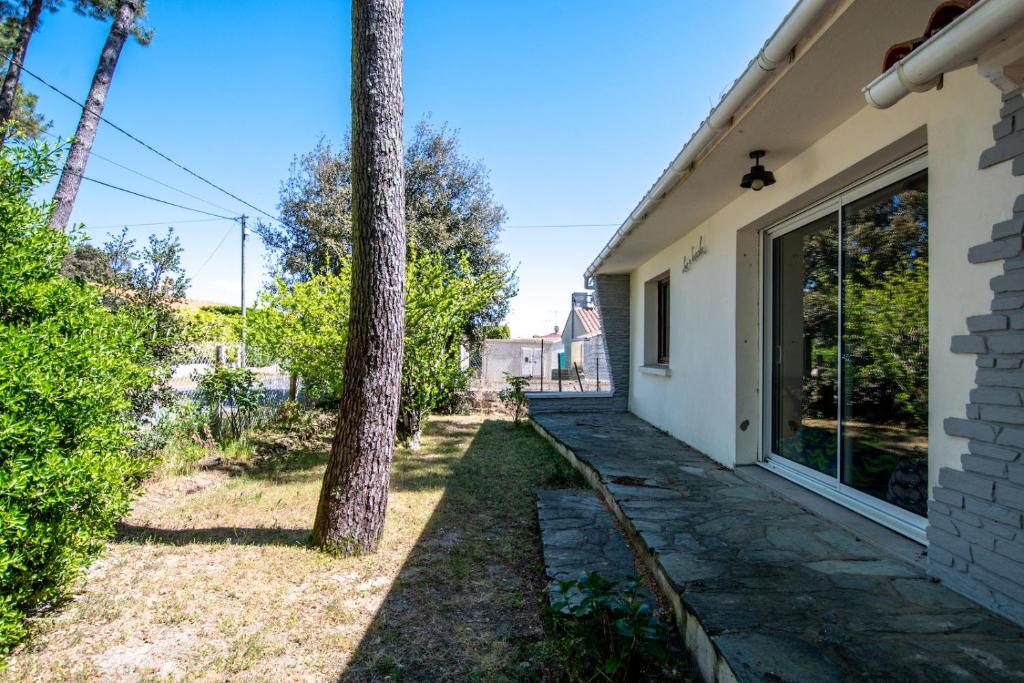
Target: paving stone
[785,595]
[579,536]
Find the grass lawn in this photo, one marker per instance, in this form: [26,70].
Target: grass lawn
[211,579]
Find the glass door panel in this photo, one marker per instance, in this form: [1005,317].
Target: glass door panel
[805,327]
[885,344]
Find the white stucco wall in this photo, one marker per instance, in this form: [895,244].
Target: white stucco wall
[698,402]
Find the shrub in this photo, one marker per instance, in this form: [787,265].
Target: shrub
[305,325]
[612,633]
[67,370]
[232,396]
[514,395]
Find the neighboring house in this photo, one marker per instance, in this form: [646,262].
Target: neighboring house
[832,326]
[582,340]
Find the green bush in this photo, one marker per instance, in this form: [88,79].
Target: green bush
[232,396]
[609,631]
[305,326]
[67,370]
[513,397]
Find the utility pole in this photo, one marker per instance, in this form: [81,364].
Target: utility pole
[241,350]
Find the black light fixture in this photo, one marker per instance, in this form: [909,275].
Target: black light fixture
[758,178]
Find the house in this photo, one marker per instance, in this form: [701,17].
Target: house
[582,341]
[828,280]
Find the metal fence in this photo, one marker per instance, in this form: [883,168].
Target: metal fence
[201,357]
[550,367]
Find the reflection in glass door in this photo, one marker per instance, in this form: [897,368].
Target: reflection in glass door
[849,346]
[885,344]
[804,327]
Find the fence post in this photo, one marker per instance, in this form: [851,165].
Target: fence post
[220,356]
[542,364]
[597,371]
[578,378]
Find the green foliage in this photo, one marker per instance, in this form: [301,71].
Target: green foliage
[232,397]
[220,324]
[497,332]
[890,321]
[440,302]
[67,370]
[449,210]
[885,319]
[610,632]
[514,395]
[305,326]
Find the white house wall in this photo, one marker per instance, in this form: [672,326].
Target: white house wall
[702,401]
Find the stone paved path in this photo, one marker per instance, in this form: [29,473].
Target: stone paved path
[579,536]
[772,590]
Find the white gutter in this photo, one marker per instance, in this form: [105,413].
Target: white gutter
[774,53]
[954,46]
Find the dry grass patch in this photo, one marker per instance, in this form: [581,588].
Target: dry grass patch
[211,577]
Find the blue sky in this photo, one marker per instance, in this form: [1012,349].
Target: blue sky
[575,107]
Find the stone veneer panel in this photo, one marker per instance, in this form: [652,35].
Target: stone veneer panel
[613,307]
[976,517]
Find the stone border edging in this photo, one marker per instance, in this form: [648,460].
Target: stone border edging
[712,666]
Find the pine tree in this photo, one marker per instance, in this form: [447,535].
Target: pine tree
[353,500]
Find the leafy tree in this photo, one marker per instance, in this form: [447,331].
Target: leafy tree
[221,324]
[353,500]
[68,366]
[305,326]
[89,264]
[17,105]
[127,20]
[145,282]
[440,302]
[449,209]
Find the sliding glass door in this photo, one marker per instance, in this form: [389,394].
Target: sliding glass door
[847,347]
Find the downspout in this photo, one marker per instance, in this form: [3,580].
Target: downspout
[774,53]
[954,46]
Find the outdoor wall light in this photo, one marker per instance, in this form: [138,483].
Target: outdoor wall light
[758,178]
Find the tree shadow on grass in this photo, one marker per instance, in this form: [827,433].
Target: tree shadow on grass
[468,603]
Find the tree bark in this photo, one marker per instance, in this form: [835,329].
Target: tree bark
[85,135]
[9,90]
[353,500]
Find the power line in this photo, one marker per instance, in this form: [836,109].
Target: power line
[215,250]
[152,199]
[143,225]
[143,175]
[139,141]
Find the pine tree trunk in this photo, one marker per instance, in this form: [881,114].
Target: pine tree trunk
[85,135]
[9,90]
[350,516]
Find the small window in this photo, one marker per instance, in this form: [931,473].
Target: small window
[656,320]
[663,308]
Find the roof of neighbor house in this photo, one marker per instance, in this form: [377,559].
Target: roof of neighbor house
[590,319]
[813,73]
